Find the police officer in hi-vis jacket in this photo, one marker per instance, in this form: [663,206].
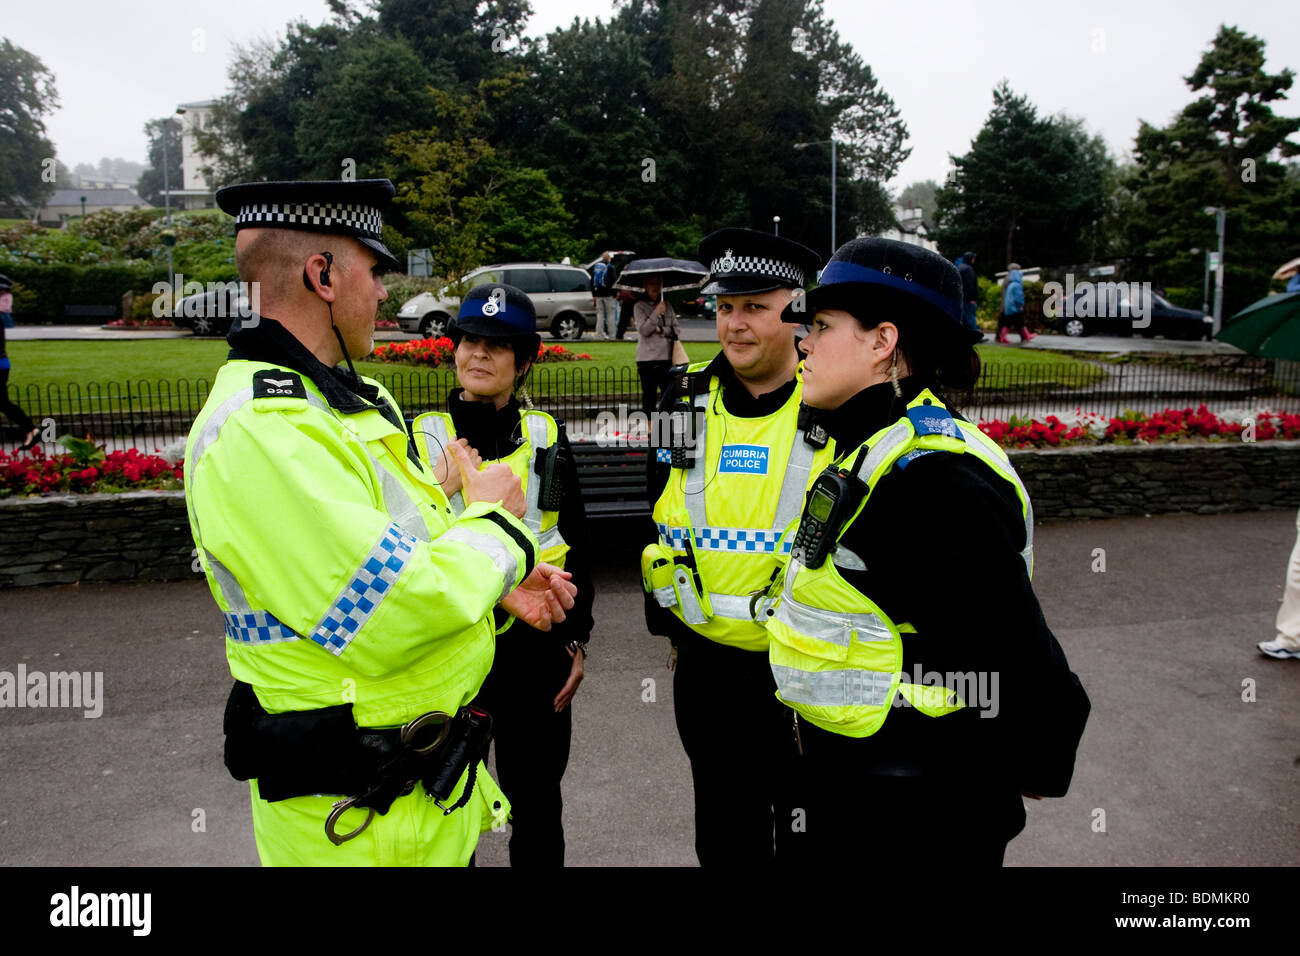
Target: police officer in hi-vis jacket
[721,501]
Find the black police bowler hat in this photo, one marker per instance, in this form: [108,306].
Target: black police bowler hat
[339,207]
[866,274]
[741,261]
[496,311]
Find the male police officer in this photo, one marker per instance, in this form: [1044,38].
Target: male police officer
[358,608]
[722,505]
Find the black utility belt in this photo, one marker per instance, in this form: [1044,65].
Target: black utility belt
[323,751]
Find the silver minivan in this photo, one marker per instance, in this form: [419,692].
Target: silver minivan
[561,294]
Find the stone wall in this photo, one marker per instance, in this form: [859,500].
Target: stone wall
[146,535]
[1103,481]
[141,535]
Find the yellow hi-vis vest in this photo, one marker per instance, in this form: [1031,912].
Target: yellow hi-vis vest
[733,504]
[836,656]
[434,430]
[343,577]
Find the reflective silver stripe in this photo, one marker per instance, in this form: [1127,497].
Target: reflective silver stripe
[433,426]
[212,426]
[1007,470]
[692,612]
[368,587]
[402,509]
[837,688]
[898,433]
[795,482]
[550,538]
[693,487]
[835,628]
[848,560]
[229,587]
[666,596]
[733,606]
[493,548]
[537,435]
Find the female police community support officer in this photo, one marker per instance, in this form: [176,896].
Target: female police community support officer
[357,607]
[534,676]
[721,506]
[911,568]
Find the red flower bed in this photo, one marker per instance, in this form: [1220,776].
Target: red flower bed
[32,473]
[436,352]
[1173,424]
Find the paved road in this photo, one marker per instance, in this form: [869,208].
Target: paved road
[1186,772]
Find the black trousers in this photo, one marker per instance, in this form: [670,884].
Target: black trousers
[11,411]
[738,738]
[531,740]
[624,317]
[654,376]
[857,808]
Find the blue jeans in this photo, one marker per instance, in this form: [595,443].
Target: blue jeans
[968,313]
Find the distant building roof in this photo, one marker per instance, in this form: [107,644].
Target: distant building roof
[95,197]
[199,105]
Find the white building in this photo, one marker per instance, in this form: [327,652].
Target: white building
[911,229]
[196,168]
[67,204]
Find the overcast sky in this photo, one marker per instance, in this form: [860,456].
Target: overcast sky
[1110,62]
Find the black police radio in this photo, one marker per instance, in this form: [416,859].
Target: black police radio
[834,497]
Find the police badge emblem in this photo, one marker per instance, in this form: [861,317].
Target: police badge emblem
[727,263]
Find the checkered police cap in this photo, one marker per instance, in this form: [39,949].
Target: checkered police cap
[744,260]
[338,207]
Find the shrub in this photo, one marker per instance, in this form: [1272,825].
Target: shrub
[435,352]
[32,473]
[52,286]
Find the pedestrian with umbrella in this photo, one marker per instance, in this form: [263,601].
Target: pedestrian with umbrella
[656,321]
[1271,328]
[7,408]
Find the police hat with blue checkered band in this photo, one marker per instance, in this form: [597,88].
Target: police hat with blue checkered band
[496,311]
[887,279]
[745,261]
[339,207]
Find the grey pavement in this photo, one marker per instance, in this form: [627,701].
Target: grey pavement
[1184,770]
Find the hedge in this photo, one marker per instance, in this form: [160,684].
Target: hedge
[54,285]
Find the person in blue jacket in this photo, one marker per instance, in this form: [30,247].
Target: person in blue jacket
[1013,307]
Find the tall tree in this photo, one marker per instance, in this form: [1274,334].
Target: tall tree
[27,94]
[150,185]
[1028,189]
[1223,150]
[920,195]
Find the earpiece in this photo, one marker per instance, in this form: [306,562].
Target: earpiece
[324,273]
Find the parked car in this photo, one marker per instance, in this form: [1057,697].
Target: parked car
[1167,319]
[561,294]
[697,306]
[210,313]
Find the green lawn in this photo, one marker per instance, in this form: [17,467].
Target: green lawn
[64,364]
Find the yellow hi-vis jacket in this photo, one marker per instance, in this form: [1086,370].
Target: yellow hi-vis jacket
[744,487]
[343,576]
[434,430]
[836,656]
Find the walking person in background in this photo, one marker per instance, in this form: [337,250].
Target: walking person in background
[606,304]
[1287,643]
[7,408]
[656,329]
[1013,307]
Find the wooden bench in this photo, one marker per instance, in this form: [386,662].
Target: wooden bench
[83,311]
[612,479]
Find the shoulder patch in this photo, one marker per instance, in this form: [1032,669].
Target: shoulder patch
[274,383]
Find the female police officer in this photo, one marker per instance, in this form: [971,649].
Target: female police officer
[534,675]
[928,692]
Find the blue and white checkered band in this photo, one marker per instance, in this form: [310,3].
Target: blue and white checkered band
[758,265]
[748,540]
[365,221]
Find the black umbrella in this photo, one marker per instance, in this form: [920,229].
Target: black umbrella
[676,274]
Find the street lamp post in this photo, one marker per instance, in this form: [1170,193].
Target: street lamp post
[83,207]
[776,225]
[167,196]
[1220,223]
[834,169]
